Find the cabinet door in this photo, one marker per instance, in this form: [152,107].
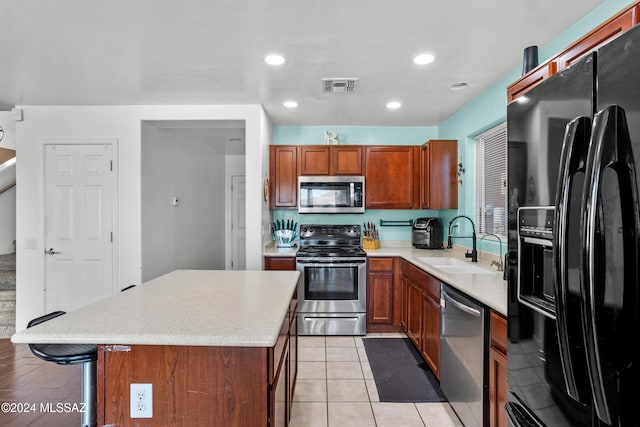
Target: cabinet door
[392,177]
[279,263]
[431,333]
[346,160]
[414,314]
[314,160]
[380,298]
[439,175]
[279,397]
[283,176]
[498,371]
[601,35]
[497,388]
[531,80]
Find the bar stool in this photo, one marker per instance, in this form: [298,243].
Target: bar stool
[72,354]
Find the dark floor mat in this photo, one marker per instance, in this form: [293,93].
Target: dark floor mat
[400,372]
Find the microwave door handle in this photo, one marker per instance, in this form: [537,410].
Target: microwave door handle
[572,161]
[352,194]
[610,149]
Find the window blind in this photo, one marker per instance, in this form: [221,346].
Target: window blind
[491,181]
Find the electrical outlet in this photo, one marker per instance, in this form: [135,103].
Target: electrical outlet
[141,398]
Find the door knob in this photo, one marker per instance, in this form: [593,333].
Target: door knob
[50,251]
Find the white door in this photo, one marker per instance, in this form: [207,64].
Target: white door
[238,226]
[78,224]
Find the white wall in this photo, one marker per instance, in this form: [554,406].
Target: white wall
[123,123]
[8,126]
[189,165]
[7,208]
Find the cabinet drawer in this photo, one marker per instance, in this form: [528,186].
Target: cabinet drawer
[380,264]
[429,284]
[279,263]
[499,332]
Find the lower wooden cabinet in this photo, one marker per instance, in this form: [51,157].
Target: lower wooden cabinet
[421,313]
[430,348]
[414,313]
[258,383]
[498,371]
[383,295]
[279,263]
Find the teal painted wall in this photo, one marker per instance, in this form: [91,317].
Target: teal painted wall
[482,113]
[490,108]
[355,135]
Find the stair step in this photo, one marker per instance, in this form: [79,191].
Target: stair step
[7,313]
[8,262]
[7,279]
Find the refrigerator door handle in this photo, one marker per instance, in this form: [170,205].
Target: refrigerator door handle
[572,160]
[610,149]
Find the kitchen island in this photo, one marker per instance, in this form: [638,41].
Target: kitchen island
[217,347]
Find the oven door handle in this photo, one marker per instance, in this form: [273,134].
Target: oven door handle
[316,263]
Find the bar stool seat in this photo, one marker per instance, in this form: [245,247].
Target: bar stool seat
[72,354]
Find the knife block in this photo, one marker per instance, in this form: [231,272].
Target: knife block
[368,243]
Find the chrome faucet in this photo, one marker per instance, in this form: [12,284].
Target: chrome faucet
[474,253]
[494,262]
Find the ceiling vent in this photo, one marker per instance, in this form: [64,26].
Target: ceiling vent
[336,85]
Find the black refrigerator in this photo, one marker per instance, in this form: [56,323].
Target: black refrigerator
[574,244]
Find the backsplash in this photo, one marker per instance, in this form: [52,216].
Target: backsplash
[370,216]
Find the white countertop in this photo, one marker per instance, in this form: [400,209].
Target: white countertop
[184,307]
[488,288]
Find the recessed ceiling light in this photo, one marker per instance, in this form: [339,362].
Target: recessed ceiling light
[423,59]
[458,85]
[393,105]
[290,104]
[274,59]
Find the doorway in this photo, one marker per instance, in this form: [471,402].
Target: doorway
[184,202]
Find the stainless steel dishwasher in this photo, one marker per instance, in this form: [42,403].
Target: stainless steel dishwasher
[463,358]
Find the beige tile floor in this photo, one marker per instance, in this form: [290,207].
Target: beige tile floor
[335,387]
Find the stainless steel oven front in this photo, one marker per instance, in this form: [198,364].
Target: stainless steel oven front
[332,295]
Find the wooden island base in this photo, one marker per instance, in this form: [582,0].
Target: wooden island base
[203,386]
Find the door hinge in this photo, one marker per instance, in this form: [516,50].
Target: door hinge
[111,236]
[111,165]
[116,348]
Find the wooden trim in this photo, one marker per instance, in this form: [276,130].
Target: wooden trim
[531,80]
[603,33]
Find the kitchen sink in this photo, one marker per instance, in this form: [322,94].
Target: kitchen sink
[454,266]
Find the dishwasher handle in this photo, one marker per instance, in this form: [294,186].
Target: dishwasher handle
[463,307]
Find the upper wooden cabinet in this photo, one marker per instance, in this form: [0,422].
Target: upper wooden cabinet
[602,34]
[396,176]
[314,160]
[531,80]
[596,38]
[283,176]
[392,177]
[439,174]
[346,160]
[330,160]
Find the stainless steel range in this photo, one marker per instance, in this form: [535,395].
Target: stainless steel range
[332,289]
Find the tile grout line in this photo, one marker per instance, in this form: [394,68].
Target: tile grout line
[326,379]
[373,413]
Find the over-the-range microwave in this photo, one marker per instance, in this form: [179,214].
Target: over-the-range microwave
[331,194]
